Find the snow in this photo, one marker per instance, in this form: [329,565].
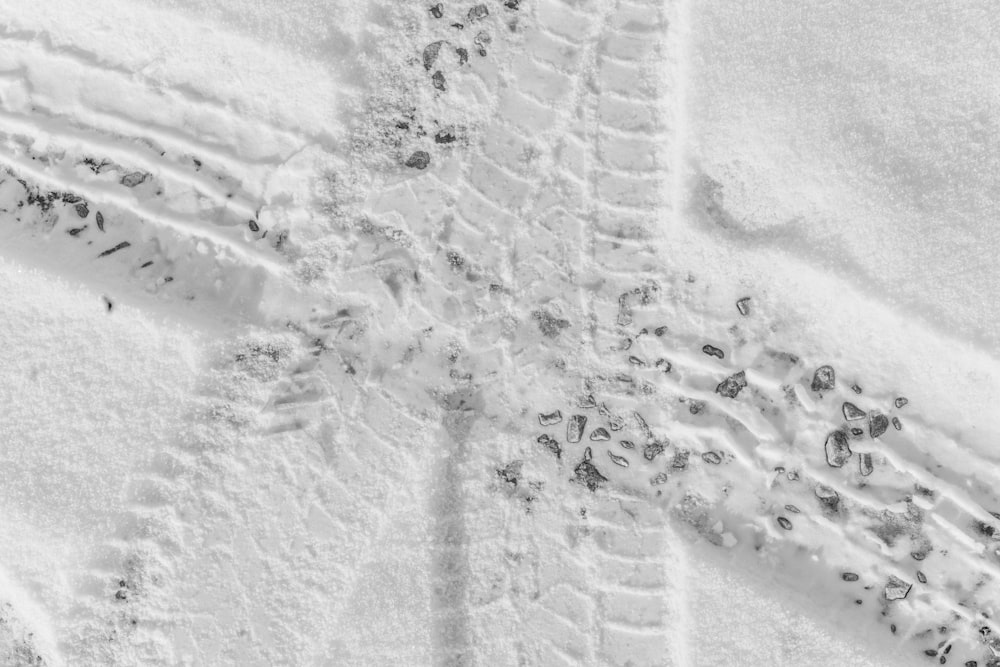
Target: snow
[88,398]
[275,392]
[746,618]
[860,137]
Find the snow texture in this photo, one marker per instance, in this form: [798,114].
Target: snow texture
[500,332]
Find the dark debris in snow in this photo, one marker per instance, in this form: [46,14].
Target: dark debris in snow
[653,449]
[713,351]
[732,385]
[824,379]
[588,475]
[853,412]
[877,424]
[418,160]
[838,451]
[551,444]
[550,418]
[575,428]
[511,473]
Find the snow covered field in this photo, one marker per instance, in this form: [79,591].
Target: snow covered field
[499,332]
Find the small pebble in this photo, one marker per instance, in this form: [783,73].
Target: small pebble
[849,576]
[627,444]
[921,577]
[713,351]
[437,79]
[838,451]
[658,478]
[600,435]
[575,427]
[550,418]
[743,305]
[856,388]
[901,401]
[853,412]
[784,523]
[793,509]
[711,457]
[877,424]
[437,11]
[896,588]
[896,424]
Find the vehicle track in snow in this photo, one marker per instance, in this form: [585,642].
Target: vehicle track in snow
[524,270]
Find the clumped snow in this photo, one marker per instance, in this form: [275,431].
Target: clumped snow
[513,332]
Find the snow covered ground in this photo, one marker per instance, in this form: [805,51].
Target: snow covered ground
[496,333]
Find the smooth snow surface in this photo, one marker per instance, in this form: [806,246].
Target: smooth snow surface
[863,137]
[495,333]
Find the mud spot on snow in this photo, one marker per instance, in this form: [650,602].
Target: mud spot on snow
[732,385]
[134,178]
[551,444]
[550,325]
[588,475]
[824,379]
[418,160]
[511,473]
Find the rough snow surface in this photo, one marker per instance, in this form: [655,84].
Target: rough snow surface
[514,332]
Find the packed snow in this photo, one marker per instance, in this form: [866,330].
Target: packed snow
[499,332]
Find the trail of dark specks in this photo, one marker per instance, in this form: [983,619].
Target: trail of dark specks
[450,570]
